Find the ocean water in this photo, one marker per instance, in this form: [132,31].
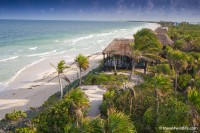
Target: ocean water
[26,42]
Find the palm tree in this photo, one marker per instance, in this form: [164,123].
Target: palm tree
[60,68]
[146,47]
[179,62]
[132,95]
[118,122]
[78,102]
[89,125]
[162,84]
[82,63]
[136,56]
[194,102]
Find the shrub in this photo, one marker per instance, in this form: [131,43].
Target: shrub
[25,130]
[184,81]
[88,125]
[63,112]
[162,69]
[104,79]
[197,81]
[173,113]
[118,122]
[149,116]
[15,116]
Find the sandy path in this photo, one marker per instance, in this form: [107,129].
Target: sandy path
[33,93]
[95,95]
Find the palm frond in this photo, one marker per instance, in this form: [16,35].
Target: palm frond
[66,79]
[54,66]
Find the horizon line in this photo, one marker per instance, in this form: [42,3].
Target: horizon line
[150,21]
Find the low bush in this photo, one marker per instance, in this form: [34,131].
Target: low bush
[63,112]
[15,116]
[184,81]
[25,130]
[104,79]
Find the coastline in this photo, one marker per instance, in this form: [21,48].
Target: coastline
[60,46]
[31,87]
[34,94]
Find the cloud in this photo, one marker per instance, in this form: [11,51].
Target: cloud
[51,9]
[150,6]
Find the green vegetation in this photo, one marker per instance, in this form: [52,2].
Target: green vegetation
[165,98]
[15,116]
[105,79]
[83,65]
[186,37]
[60,68]
[69,110]
[146,47]
[168,97]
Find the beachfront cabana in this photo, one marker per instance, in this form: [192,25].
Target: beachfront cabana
[162,30]
[118,53]
[161,33]
[164,39]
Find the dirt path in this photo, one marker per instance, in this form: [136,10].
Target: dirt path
[95,95]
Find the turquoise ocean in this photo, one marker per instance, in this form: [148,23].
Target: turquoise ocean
[25,42]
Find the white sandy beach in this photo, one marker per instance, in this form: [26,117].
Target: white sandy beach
[25,92]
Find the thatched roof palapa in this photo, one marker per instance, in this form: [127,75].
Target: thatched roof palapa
[119,47]
[161,33]
[162,30]
[164,39]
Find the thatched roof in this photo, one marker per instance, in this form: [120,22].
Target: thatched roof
[162,30]
[119,47]
[164,39]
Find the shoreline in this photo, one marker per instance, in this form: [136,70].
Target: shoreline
[4,84]
[8,85]
[36,93]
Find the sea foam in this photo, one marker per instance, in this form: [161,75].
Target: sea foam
[105,34]
[82,38]
[20,71]
[33,48]
[10,58]
[42,54]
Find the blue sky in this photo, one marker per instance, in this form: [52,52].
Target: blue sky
[155,10]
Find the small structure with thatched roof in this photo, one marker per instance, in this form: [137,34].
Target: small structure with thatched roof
[162,30]
[119,47]
[161,33]
[164,39]
[118,54]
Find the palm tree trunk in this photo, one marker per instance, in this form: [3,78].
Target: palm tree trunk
[80,77]
[61,88]
[133,68]
[77,120]
[131,105]
[115,65]
[157,105]
[145,69]
[133,95]
[193,118]
[176,81]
